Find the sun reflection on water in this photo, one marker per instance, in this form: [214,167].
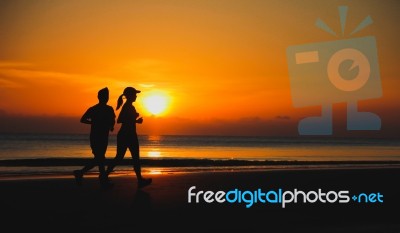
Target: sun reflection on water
[154,154]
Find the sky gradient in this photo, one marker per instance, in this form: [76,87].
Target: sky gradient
[222,63]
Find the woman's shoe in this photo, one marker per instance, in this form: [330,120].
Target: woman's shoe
[144,182]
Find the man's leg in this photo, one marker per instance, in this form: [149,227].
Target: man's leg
[100,160]
[78,174]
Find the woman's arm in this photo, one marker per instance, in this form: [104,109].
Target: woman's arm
[139,120]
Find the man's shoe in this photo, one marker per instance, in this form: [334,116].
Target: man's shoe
[78,174]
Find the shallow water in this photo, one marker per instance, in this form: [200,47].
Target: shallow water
[30,146]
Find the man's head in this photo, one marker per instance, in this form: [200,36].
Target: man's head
[103,95]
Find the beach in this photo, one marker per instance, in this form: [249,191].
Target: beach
[58,204]
[249,116]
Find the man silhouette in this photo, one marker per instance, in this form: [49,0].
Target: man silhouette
[101,117]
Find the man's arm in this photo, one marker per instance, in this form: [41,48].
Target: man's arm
[112,123]
[86,118]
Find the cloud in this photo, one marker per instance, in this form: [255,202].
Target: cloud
[40,124]
[253,126]
[3,112]
[282,117]
[146,85]
[13,64]
[43,76]
[250,126]
[7,83]
[20,75]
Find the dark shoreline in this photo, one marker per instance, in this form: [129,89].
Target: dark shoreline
[167,162]
[60,205]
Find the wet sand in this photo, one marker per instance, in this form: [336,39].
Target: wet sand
[56,203]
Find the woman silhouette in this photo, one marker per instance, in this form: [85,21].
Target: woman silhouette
[127,137]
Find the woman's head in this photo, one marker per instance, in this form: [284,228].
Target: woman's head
[130,91]
[130,95]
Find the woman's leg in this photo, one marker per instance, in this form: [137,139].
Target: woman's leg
[135,153]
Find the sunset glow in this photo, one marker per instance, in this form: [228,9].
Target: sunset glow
[216,67]
[155,103]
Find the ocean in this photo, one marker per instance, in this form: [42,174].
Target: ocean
[192,149]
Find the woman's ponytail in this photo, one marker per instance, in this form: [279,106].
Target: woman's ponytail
[120,101]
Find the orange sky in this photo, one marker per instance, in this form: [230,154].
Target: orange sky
[219,61]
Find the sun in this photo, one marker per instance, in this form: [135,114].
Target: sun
[156,103]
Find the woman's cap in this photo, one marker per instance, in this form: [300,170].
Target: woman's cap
[131,90]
